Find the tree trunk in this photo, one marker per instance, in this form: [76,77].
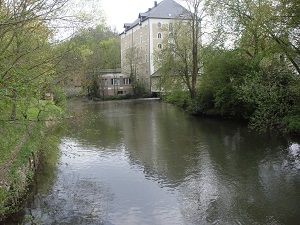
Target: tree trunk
[14,105]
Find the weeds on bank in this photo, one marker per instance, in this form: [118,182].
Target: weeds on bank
[21,143]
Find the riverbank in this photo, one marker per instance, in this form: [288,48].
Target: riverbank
[22,142]
[286,123]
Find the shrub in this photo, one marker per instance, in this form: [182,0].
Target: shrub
[59,97]
[178,98]
[292,124]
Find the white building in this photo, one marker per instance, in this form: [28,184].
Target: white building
[142,38]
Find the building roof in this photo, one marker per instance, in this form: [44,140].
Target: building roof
[167,9]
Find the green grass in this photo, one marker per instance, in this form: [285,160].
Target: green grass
[11,132]
[10,135]
[15,165]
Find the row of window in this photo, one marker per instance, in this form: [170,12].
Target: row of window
[170,26]
[159,36]
[117,81]
[159,46]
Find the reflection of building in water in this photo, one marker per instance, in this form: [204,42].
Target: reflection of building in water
[294,156]
[155,139]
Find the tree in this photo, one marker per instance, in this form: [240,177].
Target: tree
[261,25]
[26,59]
[181,52]
[195,17]
[95,49]
[133,63]
[30,59]
[266,35]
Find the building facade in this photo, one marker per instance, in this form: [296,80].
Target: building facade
[142,38]
[112,82]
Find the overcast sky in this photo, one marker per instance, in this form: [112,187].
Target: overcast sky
[118,12]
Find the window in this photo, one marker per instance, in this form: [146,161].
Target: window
[120,92]
[159,35]
[159,24]
[115,81]
[127,81]
[159,46]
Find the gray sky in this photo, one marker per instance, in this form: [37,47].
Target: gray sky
[118,12]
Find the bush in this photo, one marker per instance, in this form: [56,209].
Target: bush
[216,94]
[59,97]
[269,91]
[178,98]
[292,124]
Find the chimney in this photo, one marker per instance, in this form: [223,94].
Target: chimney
[155,3]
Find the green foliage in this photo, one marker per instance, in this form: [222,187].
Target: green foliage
[10,136]
[59,97]
[19,140]
[292,124]
[139,89]
[269,91]
[180,55]
[216,94]
[92,50]
[179,98]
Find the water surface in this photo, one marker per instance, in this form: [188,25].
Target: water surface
[147,162]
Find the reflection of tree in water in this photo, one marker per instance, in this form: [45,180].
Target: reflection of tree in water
[238,179]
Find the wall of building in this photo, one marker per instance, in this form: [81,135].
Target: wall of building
[136,40]
[114,84]
[157,26]
[146,38]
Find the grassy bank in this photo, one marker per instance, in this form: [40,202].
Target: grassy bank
[22,142]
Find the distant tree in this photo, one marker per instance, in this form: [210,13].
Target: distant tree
[91,50]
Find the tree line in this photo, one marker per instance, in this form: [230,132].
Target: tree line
[33,61]
[240,59]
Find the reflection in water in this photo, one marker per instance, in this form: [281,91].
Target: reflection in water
[146,162]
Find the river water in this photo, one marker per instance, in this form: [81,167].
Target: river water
[147,162]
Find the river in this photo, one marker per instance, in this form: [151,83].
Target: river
[147,162]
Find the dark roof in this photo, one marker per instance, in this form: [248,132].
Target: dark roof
[167,9]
